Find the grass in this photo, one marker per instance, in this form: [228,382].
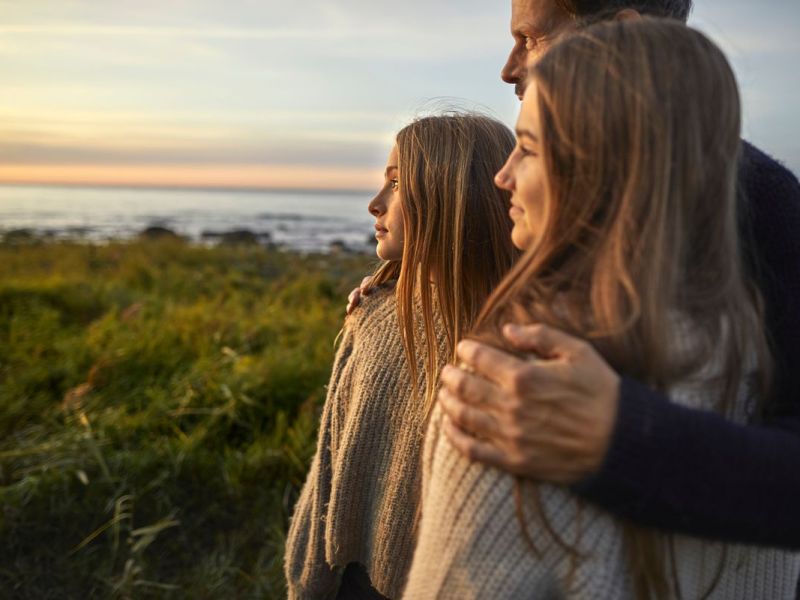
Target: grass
[158,406]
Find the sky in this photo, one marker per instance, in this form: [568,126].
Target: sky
[268,93]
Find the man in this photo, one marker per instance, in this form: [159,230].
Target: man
[569,418]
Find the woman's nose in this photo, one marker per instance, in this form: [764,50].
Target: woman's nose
[505,178]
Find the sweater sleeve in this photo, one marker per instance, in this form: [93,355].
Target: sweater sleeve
[693,472]
[308,572]
[690,471]
[470,544]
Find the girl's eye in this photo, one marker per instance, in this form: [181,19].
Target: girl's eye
[526,151]
[394,183]
[530,43]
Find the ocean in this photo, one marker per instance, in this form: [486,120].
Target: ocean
[301,221]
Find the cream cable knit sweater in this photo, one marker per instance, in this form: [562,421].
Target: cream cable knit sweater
[470,543]
[360,497]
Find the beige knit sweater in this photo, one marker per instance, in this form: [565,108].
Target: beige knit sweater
[360,497]
[471,544]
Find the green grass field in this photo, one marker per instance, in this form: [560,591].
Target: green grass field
[158,406]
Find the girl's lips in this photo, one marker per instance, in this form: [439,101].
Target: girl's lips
[515,211]
[380,232]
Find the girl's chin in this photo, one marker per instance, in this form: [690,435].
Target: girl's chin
[387,252]
[521,237]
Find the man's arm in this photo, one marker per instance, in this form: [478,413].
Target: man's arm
[623,447]
[694,472]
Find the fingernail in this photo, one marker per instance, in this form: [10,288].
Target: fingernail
[465,345]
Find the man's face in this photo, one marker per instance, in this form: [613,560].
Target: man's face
[535,25]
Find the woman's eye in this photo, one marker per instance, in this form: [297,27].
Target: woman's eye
[530,43]
[394,184]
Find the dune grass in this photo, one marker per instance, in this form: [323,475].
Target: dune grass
[158,406]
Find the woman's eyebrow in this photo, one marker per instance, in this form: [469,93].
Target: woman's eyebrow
[526,133]
[389,168]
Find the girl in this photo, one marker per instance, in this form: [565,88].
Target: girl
[623,197]
[443,234]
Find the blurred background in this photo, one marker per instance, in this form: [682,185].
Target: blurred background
[286,96]
[183,191]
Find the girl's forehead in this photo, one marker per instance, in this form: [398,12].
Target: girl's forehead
[391,161]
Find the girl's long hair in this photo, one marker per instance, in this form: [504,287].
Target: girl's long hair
[457,231]
[640,125]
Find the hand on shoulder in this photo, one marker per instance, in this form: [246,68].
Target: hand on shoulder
[548,418]
[364,289]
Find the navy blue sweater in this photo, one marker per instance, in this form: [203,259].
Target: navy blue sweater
[690,471]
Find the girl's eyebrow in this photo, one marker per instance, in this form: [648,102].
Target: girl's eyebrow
[526,133]
[389,168]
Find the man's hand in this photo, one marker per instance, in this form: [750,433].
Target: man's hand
[354,298]
[548,418]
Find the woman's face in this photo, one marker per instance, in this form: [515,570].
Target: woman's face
[387,209]
[524,175]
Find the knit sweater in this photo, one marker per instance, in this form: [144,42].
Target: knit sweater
[693,472]
[360,497]
[471,543]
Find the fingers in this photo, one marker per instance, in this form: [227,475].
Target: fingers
[475,420]
[488,362]
[541,339]
[353,300]
[475,450]
[467,387]
[497,366]
[364,286]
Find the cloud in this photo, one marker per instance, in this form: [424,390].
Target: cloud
[125,139]
[227,176]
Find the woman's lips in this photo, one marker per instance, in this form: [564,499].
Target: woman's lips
[515,211]
[380,232]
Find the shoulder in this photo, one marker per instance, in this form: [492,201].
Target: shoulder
[767,183]
[770,209]
[375,314]
[756,163]
[375,309]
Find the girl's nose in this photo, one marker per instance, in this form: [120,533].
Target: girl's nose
[376,207]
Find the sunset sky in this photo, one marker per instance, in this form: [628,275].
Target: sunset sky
[261,93]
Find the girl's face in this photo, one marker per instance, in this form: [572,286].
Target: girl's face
[387,209]
[524,175]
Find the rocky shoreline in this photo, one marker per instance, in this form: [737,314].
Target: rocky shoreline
[231,237]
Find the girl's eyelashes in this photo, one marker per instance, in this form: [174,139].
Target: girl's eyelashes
[525,151]
[394,184]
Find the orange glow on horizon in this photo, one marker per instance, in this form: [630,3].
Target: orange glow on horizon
[193,176]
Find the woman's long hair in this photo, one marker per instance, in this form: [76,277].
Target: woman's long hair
[457,231]
[640,125]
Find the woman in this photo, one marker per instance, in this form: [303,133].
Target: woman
[623,197]
[443,234]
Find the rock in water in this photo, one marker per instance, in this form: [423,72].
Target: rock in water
[157,232]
